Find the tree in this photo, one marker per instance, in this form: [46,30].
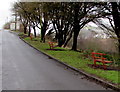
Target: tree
[18,9]
[113,29]
[84,13]
[59,14]
[29,14]
[70,18]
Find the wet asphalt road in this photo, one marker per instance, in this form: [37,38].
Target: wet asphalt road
[24,68]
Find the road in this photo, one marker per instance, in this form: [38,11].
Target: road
[24,68]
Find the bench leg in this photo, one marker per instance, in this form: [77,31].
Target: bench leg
[30,37]
[94,62]
[104,66]
[50,47]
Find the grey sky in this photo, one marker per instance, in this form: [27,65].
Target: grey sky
[5,12]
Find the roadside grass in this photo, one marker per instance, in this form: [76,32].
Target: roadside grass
[75,59]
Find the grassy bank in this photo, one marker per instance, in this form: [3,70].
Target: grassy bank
[76,60]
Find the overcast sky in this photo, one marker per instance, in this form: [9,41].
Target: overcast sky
[5,12]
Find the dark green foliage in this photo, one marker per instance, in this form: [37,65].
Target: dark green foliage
[22,35]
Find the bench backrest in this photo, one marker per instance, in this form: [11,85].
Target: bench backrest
[51,44]
[100,55]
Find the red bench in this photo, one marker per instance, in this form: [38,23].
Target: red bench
[52,45]
[31,36]
[99,57]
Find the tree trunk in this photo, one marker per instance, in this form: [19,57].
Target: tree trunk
[66,42]
[74,46]
[60,39]
[29,31]
[119,46]
[76,27]
[34,31]
[42,35]
[43,31]
[60,42]
[25,29]
[116,18]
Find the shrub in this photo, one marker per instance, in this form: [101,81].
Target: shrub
[22,35]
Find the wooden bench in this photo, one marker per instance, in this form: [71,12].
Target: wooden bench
[52,45]
[31,36]
[99,57]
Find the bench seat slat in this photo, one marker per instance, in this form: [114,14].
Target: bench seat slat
[105,61]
